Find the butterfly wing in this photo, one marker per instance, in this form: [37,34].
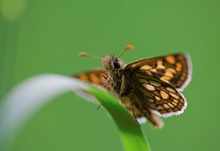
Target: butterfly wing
[152,86]
[95,76]
[133,101]
[173,69]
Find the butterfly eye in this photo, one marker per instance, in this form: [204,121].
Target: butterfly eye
[117,64]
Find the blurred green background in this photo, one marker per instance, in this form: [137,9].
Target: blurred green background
[46,36]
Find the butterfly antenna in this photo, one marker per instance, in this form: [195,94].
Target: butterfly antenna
[83,54]
[128,47]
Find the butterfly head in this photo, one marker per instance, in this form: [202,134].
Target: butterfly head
[111,63]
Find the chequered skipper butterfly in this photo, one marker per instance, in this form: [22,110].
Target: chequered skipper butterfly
[148,87]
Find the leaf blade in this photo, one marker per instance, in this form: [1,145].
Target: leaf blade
[130,131]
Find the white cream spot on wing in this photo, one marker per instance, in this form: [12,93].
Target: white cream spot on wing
[178,67]
[170,105]
[170,89]
[164,95]
[174,100]
[149,87]
[160,65]
[168,74]
[175,96]
[157,98]
[146,67]
[166,106]
[170,59]
[171,70]
[160,108]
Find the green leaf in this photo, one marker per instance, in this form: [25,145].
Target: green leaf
[130,131]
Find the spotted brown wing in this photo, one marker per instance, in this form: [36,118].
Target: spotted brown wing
[95,76]
[151,87]
[149,97]
[173,69]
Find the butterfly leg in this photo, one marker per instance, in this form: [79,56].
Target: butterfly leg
[98,107]
[100,79]
[133,112]
[105,77]
[122,86]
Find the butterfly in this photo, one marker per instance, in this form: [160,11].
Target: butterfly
[149,88]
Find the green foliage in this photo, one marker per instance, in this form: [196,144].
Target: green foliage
[130,131]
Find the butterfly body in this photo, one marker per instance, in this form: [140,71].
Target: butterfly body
[148,87]
[112,68]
